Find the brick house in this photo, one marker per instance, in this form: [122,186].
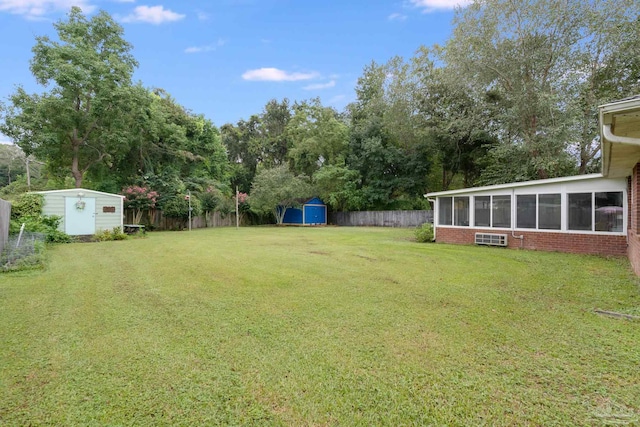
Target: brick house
[592,214]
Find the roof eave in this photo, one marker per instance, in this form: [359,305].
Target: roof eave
[515,185]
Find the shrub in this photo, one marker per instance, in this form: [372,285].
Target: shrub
[210,199]
[424,233]
[47,225]
[178,207]
[109,235]
[27,205]
[139,199]
[27,209]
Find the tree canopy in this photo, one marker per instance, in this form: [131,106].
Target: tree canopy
[82,120]
[277,189]
[511,96]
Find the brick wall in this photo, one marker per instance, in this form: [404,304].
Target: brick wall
[597,244]
[633,251]
[634,206]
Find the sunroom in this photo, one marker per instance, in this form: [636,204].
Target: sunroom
[584,214]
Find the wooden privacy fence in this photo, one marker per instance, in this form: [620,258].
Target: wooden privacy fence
[381,218]
[5,217]
[160,222]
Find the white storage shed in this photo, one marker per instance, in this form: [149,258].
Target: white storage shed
[84,212]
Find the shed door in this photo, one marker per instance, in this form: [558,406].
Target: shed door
[79,220]
[315,215]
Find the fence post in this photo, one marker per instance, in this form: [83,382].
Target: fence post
[5,217]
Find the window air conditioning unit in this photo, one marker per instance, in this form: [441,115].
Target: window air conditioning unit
[491,239]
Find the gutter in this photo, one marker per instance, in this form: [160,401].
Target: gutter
[611,137]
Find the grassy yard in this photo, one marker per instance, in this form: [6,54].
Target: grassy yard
[316,326]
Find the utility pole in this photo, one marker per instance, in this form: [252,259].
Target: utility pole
[28,175]
[189,197]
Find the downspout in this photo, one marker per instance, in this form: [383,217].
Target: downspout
[513,219]
[433,203]
[615,139]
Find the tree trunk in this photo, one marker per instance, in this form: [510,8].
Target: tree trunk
[75,168]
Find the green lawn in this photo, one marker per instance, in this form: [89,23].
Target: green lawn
[316,326]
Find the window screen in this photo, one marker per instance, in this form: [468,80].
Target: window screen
[461,211]
[609,211]
[549,211]
[482,210]
[445,211]
[580,211]
[501,207]
[526,211]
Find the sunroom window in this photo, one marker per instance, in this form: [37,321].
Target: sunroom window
[600,211]
[461,211]
[501,207]
[445,211]
[580,211]
[526,212]
[549,211]
[609,211]
[482,211]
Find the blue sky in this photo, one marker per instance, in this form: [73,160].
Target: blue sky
[226,58]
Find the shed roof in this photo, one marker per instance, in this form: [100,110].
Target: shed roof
[304,201]
[79,190]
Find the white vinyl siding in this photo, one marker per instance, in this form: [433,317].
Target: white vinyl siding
[105,219]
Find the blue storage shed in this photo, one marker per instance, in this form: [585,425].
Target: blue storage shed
[312,212]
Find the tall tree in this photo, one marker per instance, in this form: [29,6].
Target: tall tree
[82,120]
[319,138]
[538,65]
[453,118]
[12,163]
[605,67]
[386,147]
[242,143]
[167,140]
[274,141]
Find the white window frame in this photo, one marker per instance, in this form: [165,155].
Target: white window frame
[563,189]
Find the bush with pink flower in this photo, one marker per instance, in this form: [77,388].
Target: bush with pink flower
[139,199]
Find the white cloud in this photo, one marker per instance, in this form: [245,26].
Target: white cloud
[203,16]
[318,86]
[397,17]
[276,75]
[206,48]
[435,5]
[37,9]
[153,15]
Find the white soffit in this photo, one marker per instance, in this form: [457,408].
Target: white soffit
[620,135]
